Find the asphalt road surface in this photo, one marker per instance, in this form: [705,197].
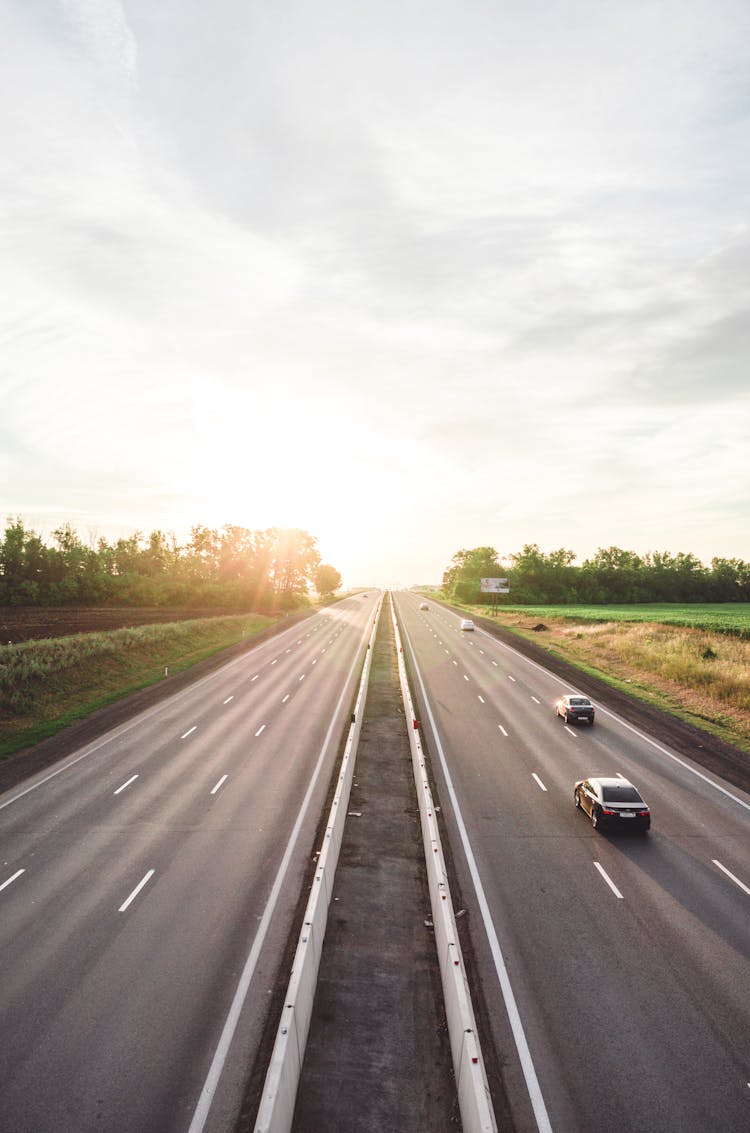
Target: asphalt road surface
[626,958]
[148,885]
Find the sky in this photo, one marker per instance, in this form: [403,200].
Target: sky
[414,275]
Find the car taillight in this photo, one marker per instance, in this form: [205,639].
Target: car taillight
[643,813]
[606,810]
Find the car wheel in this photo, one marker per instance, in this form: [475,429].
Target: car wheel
[577,799]
[591,722]
[595,819]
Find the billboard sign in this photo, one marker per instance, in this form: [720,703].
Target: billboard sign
[495,586]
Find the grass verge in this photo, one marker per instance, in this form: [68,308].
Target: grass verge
[46,685]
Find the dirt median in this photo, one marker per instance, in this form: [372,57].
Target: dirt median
[378,1053]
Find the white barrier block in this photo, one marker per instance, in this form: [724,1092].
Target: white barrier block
[276,1110]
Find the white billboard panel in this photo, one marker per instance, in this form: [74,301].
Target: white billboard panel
[495,586]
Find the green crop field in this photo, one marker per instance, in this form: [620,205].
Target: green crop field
[721,617]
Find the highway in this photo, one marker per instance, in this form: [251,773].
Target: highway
[613,971]
[148,885]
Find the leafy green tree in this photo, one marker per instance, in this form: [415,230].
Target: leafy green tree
[462,579]
[295,559]
[327,580]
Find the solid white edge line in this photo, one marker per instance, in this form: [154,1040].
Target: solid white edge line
[514,1017]
[11,879]
[200,1116]
[136,891]
[221,782]
[132,779]
[613,716]
[609,881]
[539,781]
[736,880]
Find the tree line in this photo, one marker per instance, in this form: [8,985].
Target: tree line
[611,575]
[233,567]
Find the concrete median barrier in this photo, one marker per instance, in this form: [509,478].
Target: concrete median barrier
[276,1110]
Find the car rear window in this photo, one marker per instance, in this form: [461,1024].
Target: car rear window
[580,702]
[620,795]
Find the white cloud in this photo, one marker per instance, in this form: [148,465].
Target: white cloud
[482,266]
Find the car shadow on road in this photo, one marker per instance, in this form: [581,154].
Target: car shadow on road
[691,880]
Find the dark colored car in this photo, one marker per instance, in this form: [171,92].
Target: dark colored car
[574,707]
[612,803]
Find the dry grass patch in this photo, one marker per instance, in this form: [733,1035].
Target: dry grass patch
[700,675]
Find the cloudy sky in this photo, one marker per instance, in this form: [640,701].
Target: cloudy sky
[414,275]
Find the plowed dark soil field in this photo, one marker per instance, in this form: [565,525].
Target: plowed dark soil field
[30,623]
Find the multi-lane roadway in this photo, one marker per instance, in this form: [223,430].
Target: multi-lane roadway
[148,885]
[614,972]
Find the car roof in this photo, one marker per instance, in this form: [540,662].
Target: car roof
[609,781]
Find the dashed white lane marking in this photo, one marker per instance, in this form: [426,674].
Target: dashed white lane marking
[260,729]
[302,677]
[228,699]
[609,881]
[502,729]
[480,698]
[132,779]
[11,879]
[510,678]
[258,674]
[465,677]
[570,732]
[453,662]
[285,698]
[289,651]
[136,891]
[495,663]
[736,880]
[189,732]
[220,784]
[315,660]
[539,781]
[535,700]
